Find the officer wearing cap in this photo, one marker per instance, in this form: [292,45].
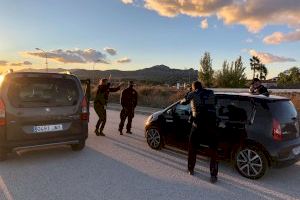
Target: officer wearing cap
[203,104]
[128,101]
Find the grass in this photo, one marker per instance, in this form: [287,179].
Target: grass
[159,96]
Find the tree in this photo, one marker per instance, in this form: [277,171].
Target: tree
[289,78]
[263,72]
[233,76]
[254,63]
[206,73]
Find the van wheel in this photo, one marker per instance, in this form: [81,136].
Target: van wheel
[251,162]
[154,138]
[79,146]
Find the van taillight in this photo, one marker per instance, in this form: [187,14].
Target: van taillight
[2,113]
[84,110]
[277,132]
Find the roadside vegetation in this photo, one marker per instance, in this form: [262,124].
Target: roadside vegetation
[231,75]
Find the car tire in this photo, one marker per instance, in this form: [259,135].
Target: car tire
[250,162]
[154,138]
[79,146]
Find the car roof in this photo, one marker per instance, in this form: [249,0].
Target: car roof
[263,97]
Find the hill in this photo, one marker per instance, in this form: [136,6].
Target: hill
[159,74]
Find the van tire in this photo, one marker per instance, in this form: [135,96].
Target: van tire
[79,146]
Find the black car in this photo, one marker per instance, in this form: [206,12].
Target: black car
[38,109]
[255,132]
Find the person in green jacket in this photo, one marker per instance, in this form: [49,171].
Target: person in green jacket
[100,103]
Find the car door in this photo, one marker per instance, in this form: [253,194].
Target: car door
[176,125]
[233,113]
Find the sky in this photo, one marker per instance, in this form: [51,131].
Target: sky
[135,34]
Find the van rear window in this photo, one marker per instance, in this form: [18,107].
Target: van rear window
[26,92]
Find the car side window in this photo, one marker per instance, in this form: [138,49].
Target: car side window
[182,110]
[234,110]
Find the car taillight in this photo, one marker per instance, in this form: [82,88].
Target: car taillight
[277,132]
[84,110]
[2,113]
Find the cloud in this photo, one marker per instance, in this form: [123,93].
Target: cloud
[204,24]
[270,58]
[16,64]
[127,1]
[71,56]
[278,37]
[253,14]
[3,62]
[110,51]
[124,60]
[27,63]
[249,40]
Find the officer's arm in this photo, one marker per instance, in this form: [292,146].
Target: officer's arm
[187,99]
[122,98]
[111,89]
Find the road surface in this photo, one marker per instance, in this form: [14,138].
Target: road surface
[124,168]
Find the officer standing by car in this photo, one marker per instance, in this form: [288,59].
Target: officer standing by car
[100,103]
[204,122]
[257,88]
[128,101]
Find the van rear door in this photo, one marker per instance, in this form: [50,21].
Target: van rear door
[42,106]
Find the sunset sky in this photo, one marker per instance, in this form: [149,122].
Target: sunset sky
[134,34]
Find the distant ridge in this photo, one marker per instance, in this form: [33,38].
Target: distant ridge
[157,74]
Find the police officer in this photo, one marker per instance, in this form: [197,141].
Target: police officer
[204,124]
[257,88]
[128,101]
[100,103]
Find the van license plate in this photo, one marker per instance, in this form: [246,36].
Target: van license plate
[296,150]
[47,128]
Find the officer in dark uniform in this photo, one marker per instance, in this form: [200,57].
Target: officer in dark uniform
[257,88]
[203,103]
[128,101]
[100,104]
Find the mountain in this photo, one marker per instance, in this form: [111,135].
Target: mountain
[159,74]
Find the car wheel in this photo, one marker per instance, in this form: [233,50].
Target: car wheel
[154,138]
[251,162]
[79,146]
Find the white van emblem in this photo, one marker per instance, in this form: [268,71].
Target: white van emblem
[47,109]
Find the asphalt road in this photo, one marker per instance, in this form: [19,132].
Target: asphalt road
[123,167]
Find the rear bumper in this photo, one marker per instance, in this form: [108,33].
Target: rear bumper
[286,154]
[42,142]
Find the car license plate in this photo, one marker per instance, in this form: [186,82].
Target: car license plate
[296,150]
[47,128]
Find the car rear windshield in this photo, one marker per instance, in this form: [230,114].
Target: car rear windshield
[283,110]
[42,92]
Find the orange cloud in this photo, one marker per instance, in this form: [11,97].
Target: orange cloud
[253,14]
[270,58]
[278,37]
